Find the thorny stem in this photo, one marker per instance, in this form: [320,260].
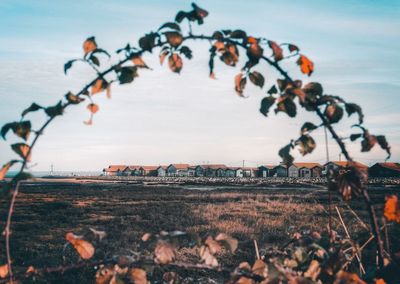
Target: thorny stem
[272,63]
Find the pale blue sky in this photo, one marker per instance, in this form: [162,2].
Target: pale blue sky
[162,117]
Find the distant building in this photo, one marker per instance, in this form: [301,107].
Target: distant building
[177,170]
[343,164]
[385,170]
[114,170]
[133,170]
[233,172]
[192,171]
[281,171]
[266,171]
[249,172]
[211,169]
[305,170]
[162,171]
[148,170]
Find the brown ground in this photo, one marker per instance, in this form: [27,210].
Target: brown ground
[46,211]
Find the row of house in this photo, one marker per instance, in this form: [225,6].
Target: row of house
[306,170]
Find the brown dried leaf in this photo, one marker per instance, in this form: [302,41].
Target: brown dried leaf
[175,63]
[260,268]
[207,257]
[104,275]
[276,49]
[343,277]
[5,168]
[138,276]
[98,86]
[164,252]
[89,45]
[84,248]
[227,241]
[23,150]
[174,38]
[240,83]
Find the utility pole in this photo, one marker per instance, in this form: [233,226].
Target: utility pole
[243,164]
[51,169]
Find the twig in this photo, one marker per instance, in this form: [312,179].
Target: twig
[348,235]
[7,231]
[256,248]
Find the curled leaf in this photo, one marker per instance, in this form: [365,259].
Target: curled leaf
[240,83]
[164,252]
[276,49]
[175,63]
[5,168]
[21,129]
[254,52]
[272,90]
[148,41]
[98,86]
[306,143]
[56,110]
[354,108]
[286,104]
[333,113]
[89,45]
[174,38]
[266,103]
[84,248]
[307,127]
[23,150]
[73,99]
[127,74]
[33,107]
[284,153]
[170,25]
[257,78]
[68,65]
[384,144]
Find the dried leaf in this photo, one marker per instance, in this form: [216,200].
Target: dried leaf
[127,74]
[138,276]
[164,252]
[384,144]
[175,63]
[254,52]
[104,275]
[23,150]
[207,257]
[257,78]
[333,113]
[227,241]
[5,168]
[306,65]
[89,45]
[392,208]
[306,143]
[276,49]
[343,277]
[354,108]
[163,55]
[138,61]
[56,110]
[84,248]
[272,90]
[93,108]
[147,42]
[260,268]
[146,237]
[73,99]
[285,104]
[21,129]
[284,153]
[170,25]
[293,48]
[174,38]
[3,271]
[240,83]
[33,107]
[266,104]
[307,127]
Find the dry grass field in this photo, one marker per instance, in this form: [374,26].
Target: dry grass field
[46,211]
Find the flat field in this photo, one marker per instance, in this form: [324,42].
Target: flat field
[46,210]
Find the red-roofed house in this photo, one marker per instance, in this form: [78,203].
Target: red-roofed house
[114,170]
[133,170]
[148,170]
[385,170]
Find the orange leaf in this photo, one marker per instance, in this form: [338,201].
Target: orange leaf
[163,55]
[5,169]
[306,65]
[89,45]
[99,86]
[84,248]
[138,276]
[138,61]
[240,83]
[93,108]
[164,252]
[4,271]
[392,208]
[22,150]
